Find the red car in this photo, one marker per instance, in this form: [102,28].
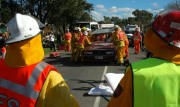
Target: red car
[100,50]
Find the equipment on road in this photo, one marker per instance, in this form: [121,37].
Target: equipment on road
[54,54]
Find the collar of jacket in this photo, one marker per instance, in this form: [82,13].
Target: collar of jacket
[24,53]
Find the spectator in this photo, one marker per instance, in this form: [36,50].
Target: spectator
[27,81]
[52,41]
[154,82]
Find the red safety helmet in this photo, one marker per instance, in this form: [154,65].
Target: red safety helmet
[167,26]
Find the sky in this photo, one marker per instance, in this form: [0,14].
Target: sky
[124,8]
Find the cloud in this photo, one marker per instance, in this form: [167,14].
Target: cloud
[97,16]
[125,15]
[133,1]
[101,11]
[100,7]
[115,9]
[155,4]
[154,11]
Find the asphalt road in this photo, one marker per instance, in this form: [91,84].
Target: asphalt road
[81,77]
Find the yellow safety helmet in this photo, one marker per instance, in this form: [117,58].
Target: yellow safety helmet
[83,28]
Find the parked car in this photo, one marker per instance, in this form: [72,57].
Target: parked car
[100,50]
[130,38]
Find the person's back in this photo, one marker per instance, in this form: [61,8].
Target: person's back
[154,82]
[27,81]
[119,42]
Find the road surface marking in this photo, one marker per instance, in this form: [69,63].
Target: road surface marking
[98,99]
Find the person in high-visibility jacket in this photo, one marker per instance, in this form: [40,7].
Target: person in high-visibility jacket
[3,45]
[89,35]
[119,42]
[82,42]
[74,40]
[67,39]
[137,40]
[126,48]
[101,37]
[26,80]
[154,82]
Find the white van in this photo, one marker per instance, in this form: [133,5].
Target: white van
[131,28]
[90,25]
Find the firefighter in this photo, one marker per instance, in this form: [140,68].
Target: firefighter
[82,42]
[89,35]
[67,38]
[126,48]
[101,37]
[154,82]
[137,40]
[119,42]
[27,81]
[75,36]
[2,45]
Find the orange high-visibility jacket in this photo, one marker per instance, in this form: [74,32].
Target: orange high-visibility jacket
[3,49]
[23,86]
[137,37]
[67,36]
[81,40]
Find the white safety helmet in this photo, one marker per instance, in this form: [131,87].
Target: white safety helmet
[85,33]
[22,27]
[79,29]
[76,28]
[116,27]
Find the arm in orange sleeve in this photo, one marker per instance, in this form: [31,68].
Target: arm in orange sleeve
[123,95]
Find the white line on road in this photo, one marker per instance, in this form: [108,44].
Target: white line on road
[97,100]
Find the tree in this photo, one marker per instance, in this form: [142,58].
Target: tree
[8,10]
[107,19]
[86,17]
[142,17]
[173,5]
[116,20]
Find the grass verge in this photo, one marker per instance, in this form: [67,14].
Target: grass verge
[46,51]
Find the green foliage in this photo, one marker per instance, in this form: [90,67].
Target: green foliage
[116,20]
[46,51]
[142,17]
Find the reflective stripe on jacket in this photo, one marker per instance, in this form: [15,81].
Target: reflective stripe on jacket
[156,86]
[20,87]
[119,38]
[137,36]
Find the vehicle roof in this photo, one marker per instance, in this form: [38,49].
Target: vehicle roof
[87,22]
[102,31]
